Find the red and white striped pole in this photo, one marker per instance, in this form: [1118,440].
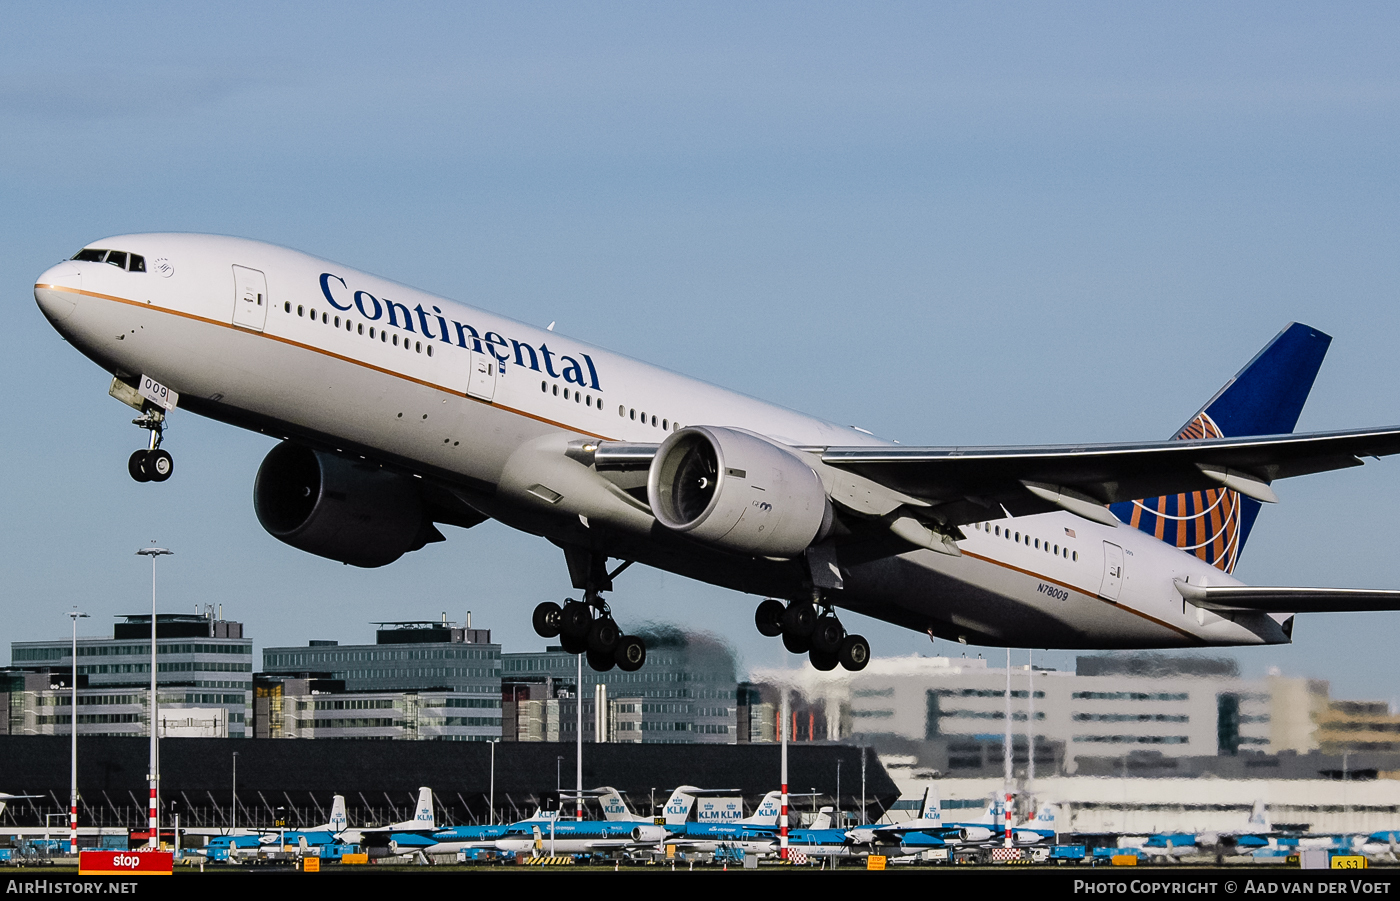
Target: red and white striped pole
[785,728]
[1006,756]
[154,840]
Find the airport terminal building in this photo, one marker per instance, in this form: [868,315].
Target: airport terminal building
[1111,706]
[418,681]
[204,676]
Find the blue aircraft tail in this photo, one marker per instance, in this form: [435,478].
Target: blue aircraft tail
[1264,398]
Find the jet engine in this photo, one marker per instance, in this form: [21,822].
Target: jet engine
[738,491]
[649,835]
[331,506]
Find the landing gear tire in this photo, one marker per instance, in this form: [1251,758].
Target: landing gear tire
[572,645]
[769,618]
[799,619]
[630,654]
[827,636]
[575,620]
[546,619]
[159,465]
[600,662]
[854,653]
[825,661]
[603,637]
[136,466]
[796,644]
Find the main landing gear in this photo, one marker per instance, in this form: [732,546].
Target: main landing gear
[587,626]
[151,464]
[817,633]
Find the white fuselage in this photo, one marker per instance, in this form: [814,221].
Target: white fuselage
[473,401]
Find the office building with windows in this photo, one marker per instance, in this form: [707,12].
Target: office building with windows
[685,693]
[418,681]
[203,676]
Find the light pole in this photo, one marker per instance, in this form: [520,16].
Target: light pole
[839,824]
[578,734]
[73,774]
[154,775]
[233,818]
[492,800]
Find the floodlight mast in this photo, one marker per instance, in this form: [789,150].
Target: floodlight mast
[154,775]
[73,773]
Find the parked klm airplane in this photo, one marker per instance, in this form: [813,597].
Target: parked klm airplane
[400,410]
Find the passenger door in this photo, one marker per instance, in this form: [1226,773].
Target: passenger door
[1112,571]
[484,373]
[249,298]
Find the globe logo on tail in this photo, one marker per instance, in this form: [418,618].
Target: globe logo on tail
[1204,523]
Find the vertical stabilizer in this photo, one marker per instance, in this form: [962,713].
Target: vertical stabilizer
[614,808]
[678,806]
[423,818]
[932,809]
[766,814]
[1264,398]
[338,820]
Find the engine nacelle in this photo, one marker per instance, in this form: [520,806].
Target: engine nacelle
[649,835]
[333,507]
[738,491]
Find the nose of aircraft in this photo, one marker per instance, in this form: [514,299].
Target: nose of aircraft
[55,291]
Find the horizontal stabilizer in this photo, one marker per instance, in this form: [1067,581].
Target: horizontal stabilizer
[1288,600]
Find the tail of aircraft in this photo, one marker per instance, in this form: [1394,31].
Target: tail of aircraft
[1044,818]
[424,815]
[1264,398]
[932,809]
[1259,818]
[824,818]
[614,807]
[766,814]
[338,820]
[677,809]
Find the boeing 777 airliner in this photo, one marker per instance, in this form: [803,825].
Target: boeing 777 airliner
[399,411]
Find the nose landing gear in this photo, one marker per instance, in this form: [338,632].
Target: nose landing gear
[819,635]
[151,464]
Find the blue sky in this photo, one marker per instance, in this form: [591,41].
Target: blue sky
[946,223]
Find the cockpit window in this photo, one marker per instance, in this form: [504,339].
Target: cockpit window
[119,258]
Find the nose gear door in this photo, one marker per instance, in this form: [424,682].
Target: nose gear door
[249,298]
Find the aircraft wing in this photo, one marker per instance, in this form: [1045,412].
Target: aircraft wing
[968,484]
[971,484]
[1234,598]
